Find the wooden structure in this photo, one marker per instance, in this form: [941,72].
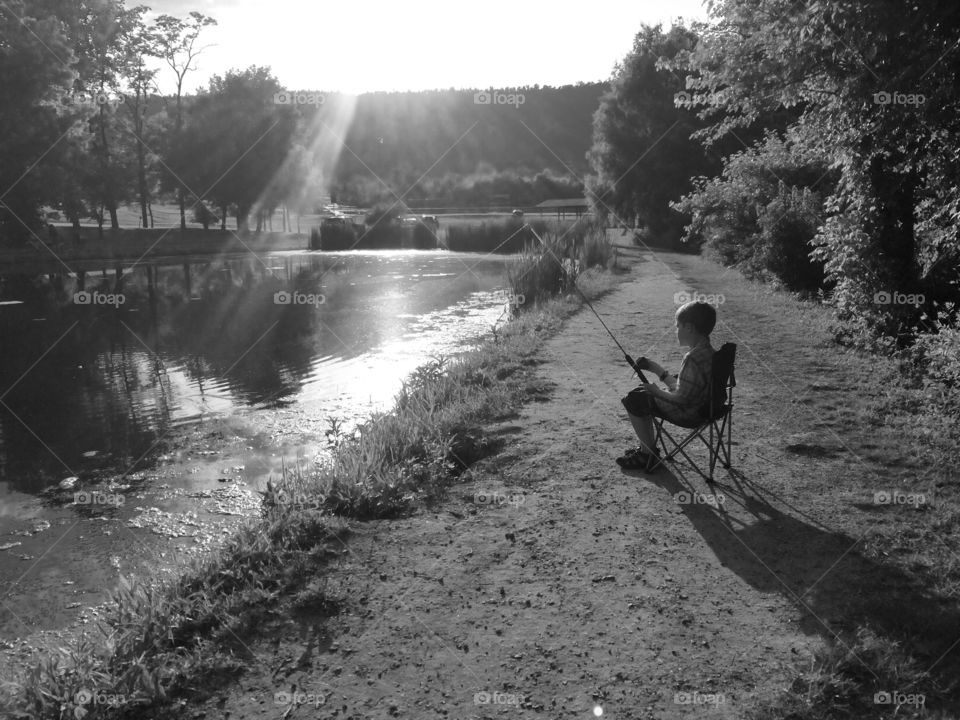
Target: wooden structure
[577,206]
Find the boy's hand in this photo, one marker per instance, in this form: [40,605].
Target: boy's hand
[643,364]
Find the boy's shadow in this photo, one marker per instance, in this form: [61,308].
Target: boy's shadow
[777,548]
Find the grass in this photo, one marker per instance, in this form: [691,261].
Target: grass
[915,665]
[161,641]
[838,685]
[158,638]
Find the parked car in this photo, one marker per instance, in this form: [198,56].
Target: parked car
[518,213]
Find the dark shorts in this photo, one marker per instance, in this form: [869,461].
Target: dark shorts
[641,403]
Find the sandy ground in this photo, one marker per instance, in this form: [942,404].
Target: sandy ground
[553,584]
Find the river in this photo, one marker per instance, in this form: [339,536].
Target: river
[142,407]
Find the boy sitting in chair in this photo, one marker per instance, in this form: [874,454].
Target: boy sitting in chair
[686,395]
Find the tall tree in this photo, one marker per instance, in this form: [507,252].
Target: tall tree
[137,44]
[35,72]
[642,155]
[235,142]
[177,42]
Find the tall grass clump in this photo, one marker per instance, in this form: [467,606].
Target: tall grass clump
[510,236]
[544,270]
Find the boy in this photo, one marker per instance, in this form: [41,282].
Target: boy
[685,397]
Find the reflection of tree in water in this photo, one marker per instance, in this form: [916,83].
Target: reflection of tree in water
[78,384]
[107,378]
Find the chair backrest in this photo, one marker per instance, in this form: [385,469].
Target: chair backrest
[722,377]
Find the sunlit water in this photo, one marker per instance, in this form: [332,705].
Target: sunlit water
[261,352]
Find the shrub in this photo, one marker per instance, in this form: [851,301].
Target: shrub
[762,214]
[336,236]
[510,236]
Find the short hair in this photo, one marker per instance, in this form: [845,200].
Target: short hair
[703,316]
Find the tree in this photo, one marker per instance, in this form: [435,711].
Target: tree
[235,141]
[176,41]
[99,36]
[137,44]
[642,155]
[35,73]
[875,88]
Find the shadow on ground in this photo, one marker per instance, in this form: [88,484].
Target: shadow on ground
[775,547]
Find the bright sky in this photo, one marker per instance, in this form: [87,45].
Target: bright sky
[361,46]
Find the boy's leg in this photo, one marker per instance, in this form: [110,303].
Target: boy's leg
[643,427]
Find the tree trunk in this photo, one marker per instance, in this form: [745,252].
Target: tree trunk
[141,158]
[108,194]
[894,229]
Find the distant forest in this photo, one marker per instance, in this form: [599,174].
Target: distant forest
[448,150]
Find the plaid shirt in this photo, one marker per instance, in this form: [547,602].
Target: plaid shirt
[693,384]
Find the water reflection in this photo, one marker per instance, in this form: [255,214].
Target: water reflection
[90,388]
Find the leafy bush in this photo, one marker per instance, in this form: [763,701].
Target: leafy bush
[763,212]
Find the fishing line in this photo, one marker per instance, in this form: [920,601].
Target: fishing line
[590,305]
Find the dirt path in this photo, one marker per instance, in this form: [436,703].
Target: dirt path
[554,585]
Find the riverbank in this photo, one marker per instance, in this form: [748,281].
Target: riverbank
[551,581]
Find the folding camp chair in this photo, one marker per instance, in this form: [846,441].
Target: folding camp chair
[717,419]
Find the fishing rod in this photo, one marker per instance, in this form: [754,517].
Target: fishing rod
[626,356]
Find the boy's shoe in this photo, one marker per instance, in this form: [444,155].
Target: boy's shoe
[639,460]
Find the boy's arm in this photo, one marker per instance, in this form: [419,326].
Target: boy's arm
[666,378]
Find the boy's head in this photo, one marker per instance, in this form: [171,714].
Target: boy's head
[698,317]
